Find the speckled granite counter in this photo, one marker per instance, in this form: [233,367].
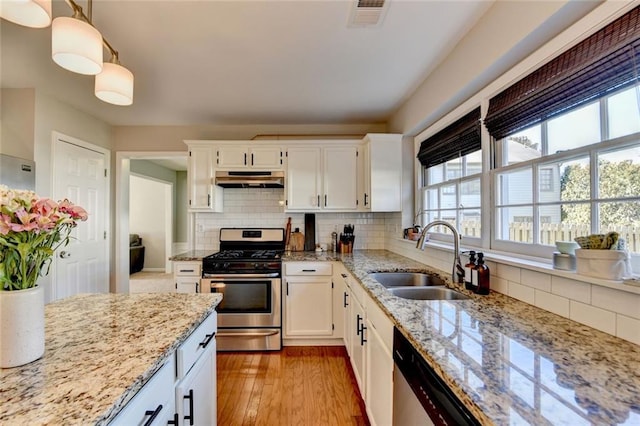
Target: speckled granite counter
[100,350]
[190,256]
[510,362]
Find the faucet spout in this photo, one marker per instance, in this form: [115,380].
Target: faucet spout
[457,273]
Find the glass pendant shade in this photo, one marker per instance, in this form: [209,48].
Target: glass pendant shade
[30,13]
[76,46]
[114,84]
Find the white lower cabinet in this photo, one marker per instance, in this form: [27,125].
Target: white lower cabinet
[195,394]
[183,391]
[379,366]
[369,342]
[309,301]
[187,276]
[154,404]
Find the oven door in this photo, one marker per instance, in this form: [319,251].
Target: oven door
[247,301]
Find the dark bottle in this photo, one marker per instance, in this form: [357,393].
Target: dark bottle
[468,271]
[482,272]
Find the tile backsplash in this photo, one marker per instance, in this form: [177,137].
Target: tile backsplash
[264,207]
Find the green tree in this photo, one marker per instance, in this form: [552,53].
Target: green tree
[616,180]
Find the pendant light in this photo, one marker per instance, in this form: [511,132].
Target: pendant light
[114,84]
[30,13]
[76,45]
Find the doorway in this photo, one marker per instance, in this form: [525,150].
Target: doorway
[156,168]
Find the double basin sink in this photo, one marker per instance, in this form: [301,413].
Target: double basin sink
[416,286]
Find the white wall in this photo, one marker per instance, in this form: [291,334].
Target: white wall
[17,117]
[148,218]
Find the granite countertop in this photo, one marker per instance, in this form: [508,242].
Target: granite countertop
[507,361]
[191,256]
[100,349]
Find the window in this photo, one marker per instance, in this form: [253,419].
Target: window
[452,160]
[566,177]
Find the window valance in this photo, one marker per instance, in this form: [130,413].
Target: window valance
[460,138]
[604,62]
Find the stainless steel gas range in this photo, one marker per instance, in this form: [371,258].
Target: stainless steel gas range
[247,272]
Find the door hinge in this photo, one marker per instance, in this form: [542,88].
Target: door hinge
[189,202]
[105,235]
[357,202]
[331,284]
[217,157]
[189,156]
[286,202]
[333,326]
[105,172]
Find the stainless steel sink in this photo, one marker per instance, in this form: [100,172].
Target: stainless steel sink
[407,279]
[427,293]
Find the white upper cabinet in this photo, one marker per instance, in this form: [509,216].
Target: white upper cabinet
[203,194]
[241,156]
[381,175]
[304,183]
[340,173]
[322,176]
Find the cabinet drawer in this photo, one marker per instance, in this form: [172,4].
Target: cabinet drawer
[156,398]
[308,268]
[196,344]
[187,268]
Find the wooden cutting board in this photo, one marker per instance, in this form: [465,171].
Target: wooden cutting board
[297,241]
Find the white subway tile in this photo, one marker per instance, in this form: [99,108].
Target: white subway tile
[508,272]
[614,300]
[537,280]
[628,329]
[521,292]
[552,303]
[500,285]
[571,289]
[592,316]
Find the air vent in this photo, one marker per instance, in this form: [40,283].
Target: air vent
[368,13]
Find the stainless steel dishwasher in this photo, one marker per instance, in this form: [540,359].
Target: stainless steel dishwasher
[420,397]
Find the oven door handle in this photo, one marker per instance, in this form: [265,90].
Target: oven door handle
[231,277]
[256,334]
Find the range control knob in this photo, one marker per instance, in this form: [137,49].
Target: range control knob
[225,265]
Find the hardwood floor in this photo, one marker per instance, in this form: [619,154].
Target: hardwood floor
[296,386]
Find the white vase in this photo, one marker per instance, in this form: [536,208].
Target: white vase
[21,326]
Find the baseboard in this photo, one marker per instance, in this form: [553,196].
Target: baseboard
[312,342]
[153,270]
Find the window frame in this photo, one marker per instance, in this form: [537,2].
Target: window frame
[591,151]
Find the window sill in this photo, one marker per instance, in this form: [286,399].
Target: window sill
[536,264]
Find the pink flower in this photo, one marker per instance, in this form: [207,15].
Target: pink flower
[5,224]
[44,207]
[76,212]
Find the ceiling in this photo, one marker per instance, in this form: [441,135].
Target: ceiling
[249,62]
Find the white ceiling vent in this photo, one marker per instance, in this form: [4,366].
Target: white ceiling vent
[368,13]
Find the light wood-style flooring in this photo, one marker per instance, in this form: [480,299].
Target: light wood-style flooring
[296,386]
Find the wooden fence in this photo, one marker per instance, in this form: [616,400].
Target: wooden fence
[552,232]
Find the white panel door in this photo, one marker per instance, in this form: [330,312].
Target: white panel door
[83,265]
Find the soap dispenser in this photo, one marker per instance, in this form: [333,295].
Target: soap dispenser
[468,269]
[483,276]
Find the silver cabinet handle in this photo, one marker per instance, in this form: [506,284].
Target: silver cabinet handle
[64,254]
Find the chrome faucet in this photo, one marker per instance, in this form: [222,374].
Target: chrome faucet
[457,274]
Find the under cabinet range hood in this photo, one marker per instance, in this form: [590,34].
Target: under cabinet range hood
[250,179]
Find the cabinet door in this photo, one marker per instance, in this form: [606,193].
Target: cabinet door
[303,178]
[340,183]
[196,393]
[385,172]
[203,194]
[379,382]
[359,336]
[187,285]
[154,404]
[265,157]
[232,156]
[200,174]
[308,307]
